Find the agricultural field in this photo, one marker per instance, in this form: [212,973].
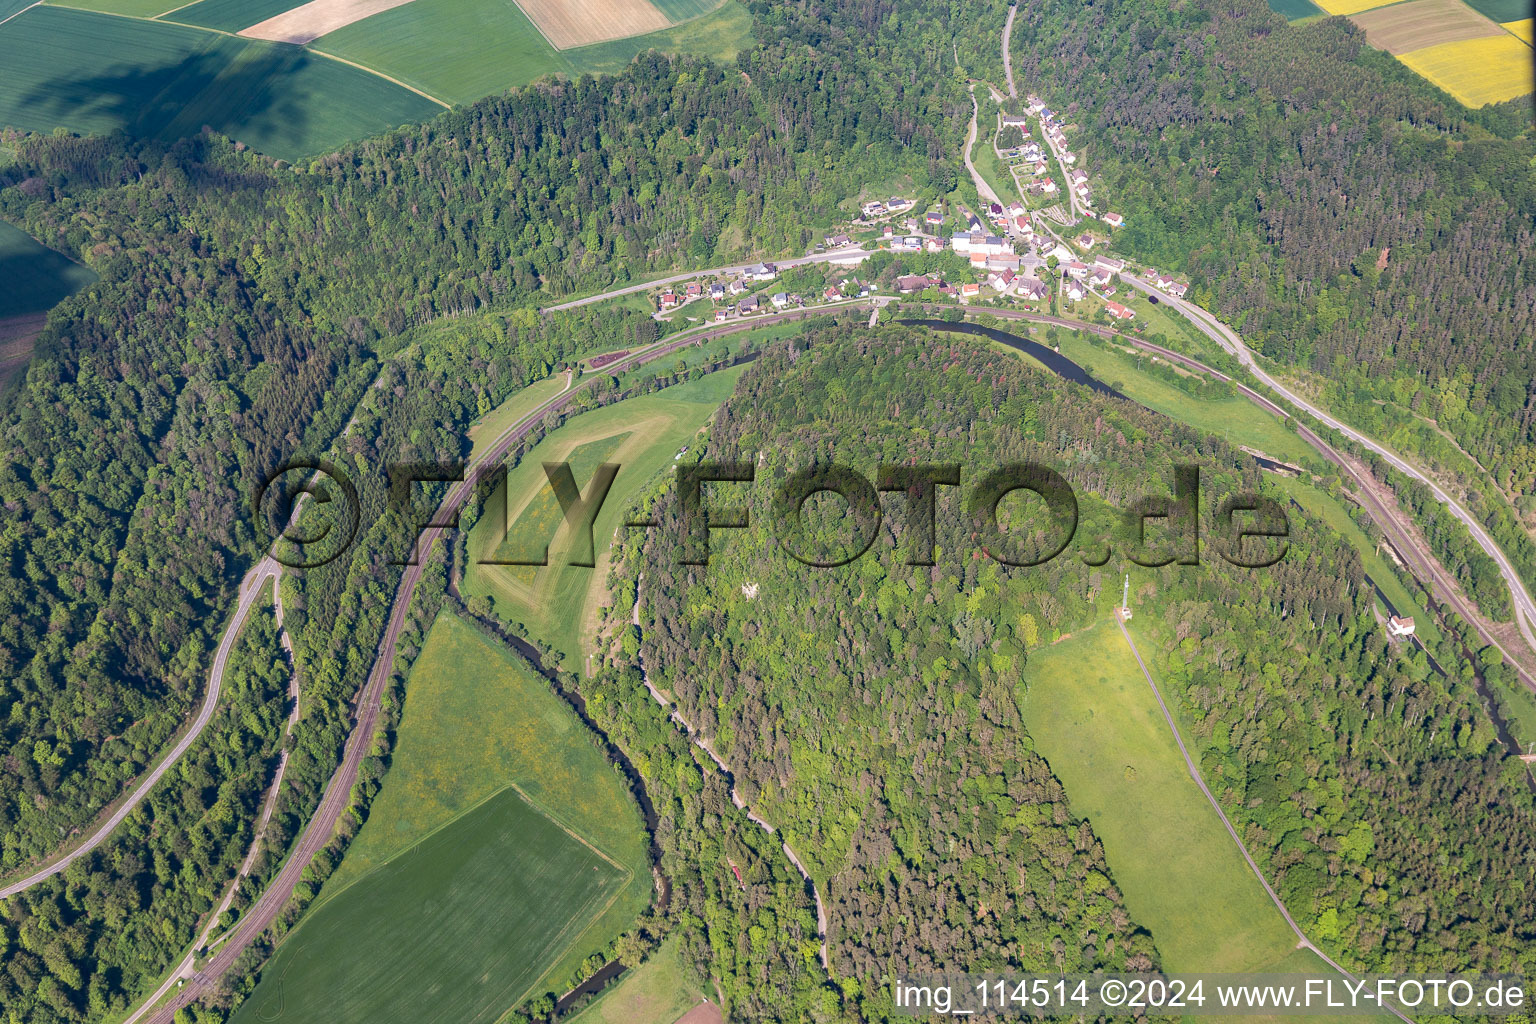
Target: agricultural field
[1403,28]
[1348,7]
[310,21]
[1477,71]
[476,721]
[566,24]
[1521,30]
[656,992]
[1292,10]
[36,278]
[558,602]
[1098,725]
[461,50]
[90,72]
[229,15]
[462,926]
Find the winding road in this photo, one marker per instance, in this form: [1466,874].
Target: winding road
[250,589]
[1525,606]
[322,825]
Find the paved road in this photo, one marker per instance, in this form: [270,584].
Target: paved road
[830,256]
[322,826]
[1194,773]
[1525,606]
[1008,50]
[982,188]
[250,588]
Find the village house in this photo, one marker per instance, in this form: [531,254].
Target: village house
[1099,277]
[1003,261]
[934,218]
[1118,311]
[969,291]
[831,294]
[1400,626]
[669,300]
[1085,240]
[747,306]
[717,291]
[694,290]
[780,300]
[1114,220]
[720,315]
[1001,282]
[761,272]
[1109,263]
[933,245]
[1076,270]
[912,283]
[1165,283]
[1033,289]
[738,286]
[1015,121]
[1075,290]
[873,208]
[838,241]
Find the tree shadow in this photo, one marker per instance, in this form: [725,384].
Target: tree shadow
[250,90]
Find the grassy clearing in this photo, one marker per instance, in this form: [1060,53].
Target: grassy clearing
[476,720]
[1098,725]
[656,992]
[36,278]
[554,602]
[1476,71]
[1235,419]
[461,927]
[91,72]
[484,431]
[462,50]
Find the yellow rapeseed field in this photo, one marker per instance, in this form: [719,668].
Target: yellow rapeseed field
[1522,29]
[1351,6]
[1476,71]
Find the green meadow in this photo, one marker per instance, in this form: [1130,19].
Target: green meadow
[558,603]
[1097,723]
[656,992]
[92,72]
[485,430]
[462,926]
[462,50]
[229,15]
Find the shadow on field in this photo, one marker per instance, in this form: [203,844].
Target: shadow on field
[250,91]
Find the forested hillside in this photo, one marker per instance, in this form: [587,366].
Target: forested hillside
[1341,212]
[871,711]
[244,307]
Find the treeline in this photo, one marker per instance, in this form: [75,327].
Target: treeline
[1346,215]
[244,308]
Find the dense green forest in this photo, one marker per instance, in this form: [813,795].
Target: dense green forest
[870,711]
[244,307]
[1341,212]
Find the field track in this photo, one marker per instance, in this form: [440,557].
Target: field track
[1412,26]
[568,23]
[316,18]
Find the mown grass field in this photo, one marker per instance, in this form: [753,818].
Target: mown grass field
[462,50]
[556,602]
[484,431]
[656,992]
[35,277]
[460,927]
[130,8]
[1098,725]
[91,72]
[1477,71]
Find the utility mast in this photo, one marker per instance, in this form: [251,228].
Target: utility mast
[1125,599]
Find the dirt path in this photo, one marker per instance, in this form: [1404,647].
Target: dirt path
[707,746]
